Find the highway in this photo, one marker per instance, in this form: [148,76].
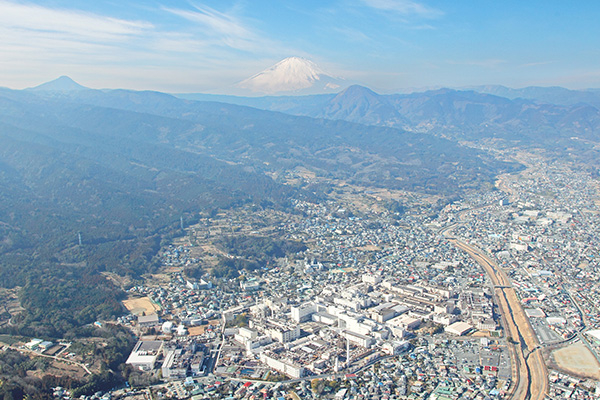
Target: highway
[530,374]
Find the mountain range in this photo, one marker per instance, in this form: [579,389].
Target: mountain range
[122,167]
[528,114]
[457,114]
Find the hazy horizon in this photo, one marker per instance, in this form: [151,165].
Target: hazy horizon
[406,90]
[387,45]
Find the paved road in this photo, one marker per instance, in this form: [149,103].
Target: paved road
[530,375]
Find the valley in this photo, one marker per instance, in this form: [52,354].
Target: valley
[131,205]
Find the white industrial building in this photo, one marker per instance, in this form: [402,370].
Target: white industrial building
[144,354]
[358,339]
[284,366]
[458,328]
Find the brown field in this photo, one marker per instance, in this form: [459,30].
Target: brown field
[158,279]
[577,360]
[140,305]
[59,368]
[196,330]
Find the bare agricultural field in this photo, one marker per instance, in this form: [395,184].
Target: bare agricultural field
[157,279]
[59,368]
[9,340]
[578,360]
[140,305]
[9,304]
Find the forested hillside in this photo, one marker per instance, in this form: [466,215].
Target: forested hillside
[121,168]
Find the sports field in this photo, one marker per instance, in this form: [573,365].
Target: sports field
[141,305]
[578,360]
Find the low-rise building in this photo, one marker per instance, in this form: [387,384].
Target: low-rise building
[284,366]
[148,321]
[145,354]
[458,328]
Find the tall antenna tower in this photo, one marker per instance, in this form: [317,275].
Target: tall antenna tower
[181,222]
[347,351]
[79,236]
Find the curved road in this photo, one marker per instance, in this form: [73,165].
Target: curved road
[529,369]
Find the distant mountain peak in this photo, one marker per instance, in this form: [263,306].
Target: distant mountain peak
[61,84]
[296,75]
[357,90]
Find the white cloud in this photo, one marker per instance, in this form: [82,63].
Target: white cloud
[85,26]
[225,28]
[405,8]
[35,38]
[202,49]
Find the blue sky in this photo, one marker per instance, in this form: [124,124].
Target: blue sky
[193,46]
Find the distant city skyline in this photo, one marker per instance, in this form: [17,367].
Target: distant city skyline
[388,45]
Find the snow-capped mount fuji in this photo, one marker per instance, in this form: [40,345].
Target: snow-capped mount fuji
[293,75]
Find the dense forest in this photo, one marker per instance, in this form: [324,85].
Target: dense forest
[125,198]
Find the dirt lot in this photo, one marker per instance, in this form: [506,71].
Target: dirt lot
[578,360]
[140,305]
[196,330]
